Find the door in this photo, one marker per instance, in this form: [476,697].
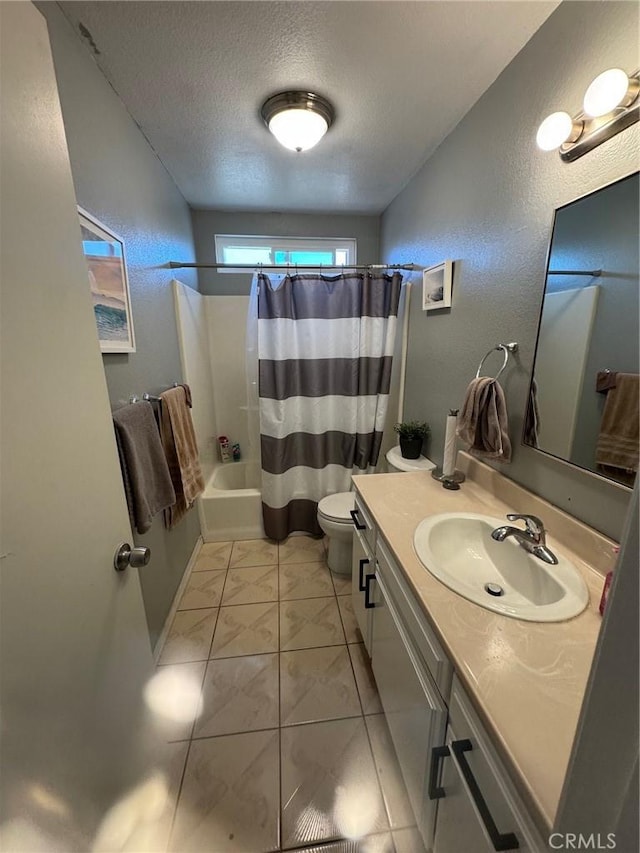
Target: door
[74,642]
[459,826]
[415,714]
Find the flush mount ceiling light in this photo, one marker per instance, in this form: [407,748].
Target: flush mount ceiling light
[298,120]
[611,104]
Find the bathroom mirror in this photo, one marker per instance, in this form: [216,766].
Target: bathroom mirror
[583,404]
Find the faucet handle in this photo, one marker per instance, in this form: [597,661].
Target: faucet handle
[534,525]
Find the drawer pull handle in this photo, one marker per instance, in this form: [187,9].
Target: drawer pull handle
[500,840]
[354,516]
[438,752]
[363,562]
[367,591]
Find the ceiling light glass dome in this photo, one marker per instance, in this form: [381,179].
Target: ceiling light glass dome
[298,120]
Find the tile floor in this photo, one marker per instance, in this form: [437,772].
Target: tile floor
[281,743]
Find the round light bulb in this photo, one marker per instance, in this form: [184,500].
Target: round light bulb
[298,129]
[606,92]
[554,130]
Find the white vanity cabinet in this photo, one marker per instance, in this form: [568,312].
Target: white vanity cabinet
[462,796]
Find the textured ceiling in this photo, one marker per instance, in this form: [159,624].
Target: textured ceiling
[400,74]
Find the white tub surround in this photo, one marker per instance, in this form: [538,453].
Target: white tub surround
[231,505]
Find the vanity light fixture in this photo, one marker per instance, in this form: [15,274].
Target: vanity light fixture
[611,104]
[298,120]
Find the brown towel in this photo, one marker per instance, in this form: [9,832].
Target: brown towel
[181,450]
[617,445]
[147,482]
[605,381]
[187,393]
[532,417]
[483,421]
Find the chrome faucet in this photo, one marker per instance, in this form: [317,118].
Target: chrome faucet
[532,538]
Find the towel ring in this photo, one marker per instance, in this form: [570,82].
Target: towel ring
[506,349]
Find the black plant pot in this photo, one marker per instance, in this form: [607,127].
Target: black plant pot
[410,447]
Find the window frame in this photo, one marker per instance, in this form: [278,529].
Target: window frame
[286,244]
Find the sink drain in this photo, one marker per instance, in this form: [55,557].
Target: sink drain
[493,589]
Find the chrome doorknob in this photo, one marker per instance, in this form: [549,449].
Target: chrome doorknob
[128,556]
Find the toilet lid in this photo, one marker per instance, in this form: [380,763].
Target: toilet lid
[337,506]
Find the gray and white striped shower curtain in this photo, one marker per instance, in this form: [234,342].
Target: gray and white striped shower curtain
[325,345]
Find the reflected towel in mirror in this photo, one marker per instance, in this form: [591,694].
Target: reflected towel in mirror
[618,440]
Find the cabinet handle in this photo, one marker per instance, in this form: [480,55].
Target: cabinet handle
[438,752]
[363,562]
[354,516]
[500,840]
[367,591]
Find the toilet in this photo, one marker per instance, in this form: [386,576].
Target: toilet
[334,513]
[334,517]
[397,463]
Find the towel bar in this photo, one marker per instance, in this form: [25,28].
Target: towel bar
[506,349]
[148,398]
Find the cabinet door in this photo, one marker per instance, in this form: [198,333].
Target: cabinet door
[361,588]
[458,826]
[478,808]
[414,711]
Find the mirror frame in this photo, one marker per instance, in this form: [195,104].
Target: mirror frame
[523,443]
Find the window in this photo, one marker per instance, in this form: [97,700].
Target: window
[306,251]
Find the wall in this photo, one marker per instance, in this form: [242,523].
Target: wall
[119,179]
[486,198]
[208,223]
[611,804]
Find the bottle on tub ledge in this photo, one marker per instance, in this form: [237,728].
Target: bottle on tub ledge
[235,452]
[225,449]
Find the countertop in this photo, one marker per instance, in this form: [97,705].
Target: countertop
[527,680]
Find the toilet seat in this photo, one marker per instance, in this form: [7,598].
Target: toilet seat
[337,508]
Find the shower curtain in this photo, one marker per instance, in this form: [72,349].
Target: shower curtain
[325,346]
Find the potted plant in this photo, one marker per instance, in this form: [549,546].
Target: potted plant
[412,434]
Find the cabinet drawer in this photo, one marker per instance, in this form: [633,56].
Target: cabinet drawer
[470,746]
[423,637]
[363,523]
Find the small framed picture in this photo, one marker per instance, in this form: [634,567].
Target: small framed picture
[104,253]
[436,286]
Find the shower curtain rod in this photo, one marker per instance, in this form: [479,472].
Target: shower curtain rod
[176,265]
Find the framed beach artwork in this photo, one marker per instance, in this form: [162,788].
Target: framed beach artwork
[104,253]
[436,286]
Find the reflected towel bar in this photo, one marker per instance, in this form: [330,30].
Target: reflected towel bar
[592,273]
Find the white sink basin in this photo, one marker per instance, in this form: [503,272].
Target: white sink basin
[457,548]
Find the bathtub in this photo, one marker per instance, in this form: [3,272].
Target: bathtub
[231,504]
